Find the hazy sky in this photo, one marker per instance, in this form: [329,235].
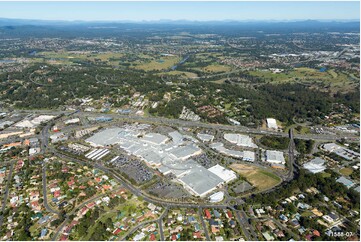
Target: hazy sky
[180,10]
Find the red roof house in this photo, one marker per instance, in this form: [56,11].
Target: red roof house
[207,214]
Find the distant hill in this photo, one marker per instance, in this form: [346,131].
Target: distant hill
[43,28]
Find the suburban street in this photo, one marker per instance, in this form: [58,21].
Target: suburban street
[158,220]
[203,224]
[6,194]
[45,202]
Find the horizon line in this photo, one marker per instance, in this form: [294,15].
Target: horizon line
[189,20]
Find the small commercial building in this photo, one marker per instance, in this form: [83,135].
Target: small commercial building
[205,137]
[249,156]
[57,137]
[274,156]
[216,197]
[72,121]
[271,123]
[315,166]
[348,183]
[341,151]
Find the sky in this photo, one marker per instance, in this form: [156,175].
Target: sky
[203,11]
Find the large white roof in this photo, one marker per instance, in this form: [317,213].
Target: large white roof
[185,152]
[201,181]
[220,148]
[240,140]
[225,174]
[155,138]
[249,155]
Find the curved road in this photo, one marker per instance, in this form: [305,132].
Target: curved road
[158,220]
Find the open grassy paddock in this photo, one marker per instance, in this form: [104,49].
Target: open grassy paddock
[68,57]
[258,177]
[313,77]
[156,64]
[346,171]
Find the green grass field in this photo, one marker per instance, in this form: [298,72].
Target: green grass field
[313,77]
[259,178]
[216,68]
[346,171]
[65,57]
[325,174]
[163,63]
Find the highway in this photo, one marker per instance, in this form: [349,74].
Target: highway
[184,123]
[242,129]
[291,157]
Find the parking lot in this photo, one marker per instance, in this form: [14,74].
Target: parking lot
[168,190]
[241,187]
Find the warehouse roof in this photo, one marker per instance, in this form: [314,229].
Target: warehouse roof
[216,197]
[176,137]
[240,140]
[220,148]
[225,174]
[155,138]
[106,137]
[184,152]
[201,181]
[315,166]
[249,155]
[275,156]
[205,137]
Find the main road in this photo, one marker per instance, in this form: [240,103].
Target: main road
[184,123]
[237,128]
[291,157]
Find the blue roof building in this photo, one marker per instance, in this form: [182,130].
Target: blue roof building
[43,232]
[216,214]
[346,182]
